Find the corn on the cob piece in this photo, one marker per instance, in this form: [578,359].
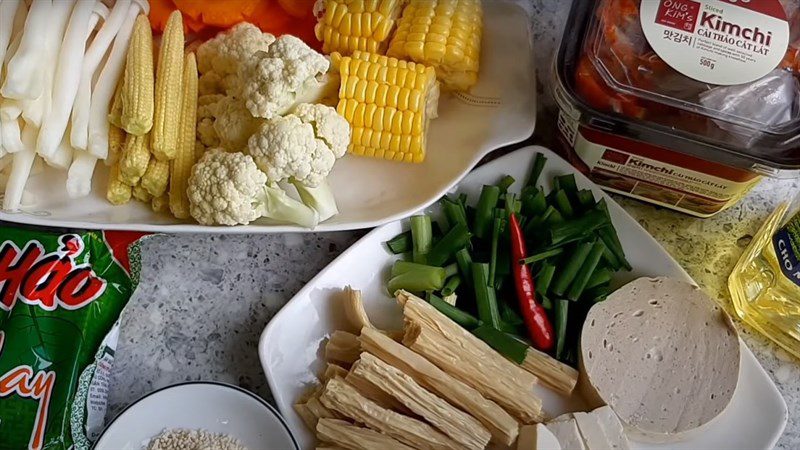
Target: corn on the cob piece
[181,166]
[347,26]
[115,113]
[117,193]
[138,80]
[135,158]
[141,194]
[116,141]
[445,34]
[160,203]
[156,177]
[388,103]
[168,89]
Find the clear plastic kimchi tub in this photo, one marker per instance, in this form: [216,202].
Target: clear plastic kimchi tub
[683,103]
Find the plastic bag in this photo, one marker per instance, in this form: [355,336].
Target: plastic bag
[60,297]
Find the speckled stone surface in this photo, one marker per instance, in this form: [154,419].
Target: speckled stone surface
[204,300]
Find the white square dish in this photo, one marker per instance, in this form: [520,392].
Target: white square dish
[291,345]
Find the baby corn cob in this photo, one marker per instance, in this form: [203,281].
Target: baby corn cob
[388,103]
[117,193]
[116,140]
[168,89]
[347,26]
[141,194]
[160,203]
[135,158]
[115,113]
[138,80]
[181,166]
[156,177]
[445,34]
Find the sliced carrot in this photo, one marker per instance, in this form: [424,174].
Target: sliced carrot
[270,17]
[192,25]
[159,12]
[218,13]
[298,8]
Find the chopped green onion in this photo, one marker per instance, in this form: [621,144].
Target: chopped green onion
[546,303]
[560,312]
[588,267]
[458,316]
[610,238]
[455,239]
[497,225]
[454,212]
[483,213]
[415,277]
[421,237]
[600,276]
[570,270]
[567,183]
[545,254]
[585,224]
[504,344]
[451,269]
[545,278]
[534,201]
[464,261]
[484,295]
[505,183]
[586,199]
[563,205]
[451,285]
[536,171]
[400,243]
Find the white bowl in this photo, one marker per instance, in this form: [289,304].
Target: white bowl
[210,406]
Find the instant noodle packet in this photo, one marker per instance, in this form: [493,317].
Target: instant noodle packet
[61,295]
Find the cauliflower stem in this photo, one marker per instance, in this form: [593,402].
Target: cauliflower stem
[272,202]
[319,198]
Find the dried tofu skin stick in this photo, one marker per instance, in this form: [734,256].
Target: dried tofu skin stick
[467,358]
[460,426]
[332,371]
[501,425]
[357,315]
[342,347]
[375,393]
[345,399]
[550,371]
[351,436]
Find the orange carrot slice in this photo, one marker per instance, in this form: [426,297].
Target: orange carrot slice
[297,8]
[159,12]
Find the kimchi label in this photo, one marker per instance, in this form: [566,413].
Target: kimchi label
[722,42]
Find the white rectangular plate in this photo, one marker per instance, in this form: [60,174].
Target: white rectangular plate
[501,110]
[291,345]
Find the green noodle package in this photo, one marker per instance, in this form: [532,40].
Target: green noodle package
[61,295]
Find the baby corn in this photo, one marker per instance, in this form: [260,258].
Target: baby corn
[160,204]
[388,103]
[135,158]
[181,166]
[141,194]
[445,34]
[156,177]
[168,89]
[116,141]
[138,81]
[117,193]
[348,26]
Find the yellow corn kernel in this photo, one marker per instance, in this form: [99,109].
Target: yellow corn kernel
[349,25]
[116,141]
[117,192]
[141,194]
[156,177]
[444,34]
[388,104]
[135,158]
[160,203]
[168,89]
[138,80]
[181,166]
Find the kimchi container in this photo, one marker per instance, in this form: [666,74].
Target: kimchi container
[682,103]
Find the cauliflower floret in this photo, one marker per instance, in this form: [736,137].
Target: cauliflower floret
[206,115]
[228,189]
[233,125]
[222,188]
[226,51]
[273,80]
[328,125]
[286,148]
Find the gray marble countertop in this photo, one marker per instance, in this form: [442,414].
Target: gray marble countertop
[204,300]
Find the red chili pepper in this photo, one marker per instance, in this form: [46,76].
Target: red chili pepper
[539,327]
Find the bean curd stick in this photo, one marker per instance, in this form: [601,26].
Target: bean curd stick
[354,437]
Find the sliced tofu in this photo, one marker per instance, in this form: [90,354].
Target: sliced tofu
[567,434]
[592,433]
[612,428]
[663,355]
[537,437]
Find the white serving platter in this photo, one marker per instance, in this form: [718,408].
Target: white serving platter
[291,345]
[211,406]
[501,110]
